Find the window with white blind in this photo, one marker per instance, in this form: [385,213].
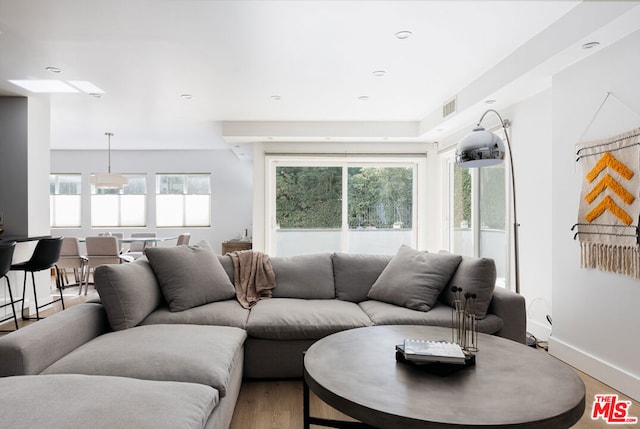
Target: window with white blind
[125,207]
[183,200]
[65,200]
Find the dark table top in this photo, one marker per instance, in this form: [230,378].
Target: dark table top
[511,385]
[22,238]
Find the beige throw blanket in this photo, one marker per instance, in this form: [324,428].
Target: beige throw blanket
[610,204]
[253,276]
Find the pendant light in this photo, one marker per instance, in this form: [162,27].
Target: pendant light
[108,180]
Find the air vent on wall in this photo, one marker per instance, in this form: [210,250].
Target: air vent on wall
[449,108]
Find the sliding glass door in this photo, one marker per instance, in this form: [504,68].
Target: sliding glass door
[351,206]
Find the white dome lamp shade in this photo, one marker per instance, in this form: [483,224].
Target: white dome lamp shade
[482,148]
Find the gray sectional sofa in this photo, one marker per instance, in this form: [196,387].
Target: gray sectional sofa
[170,325]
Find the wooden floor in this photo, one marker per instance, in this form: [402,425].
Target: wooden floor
[277,404]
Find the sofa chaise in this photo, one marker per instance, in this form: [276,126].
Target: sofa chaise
[172,320]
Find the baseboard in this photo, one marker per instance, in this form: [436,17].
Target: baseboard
[618,379]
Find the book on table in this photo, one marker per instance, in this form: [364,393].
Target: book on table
[425,351]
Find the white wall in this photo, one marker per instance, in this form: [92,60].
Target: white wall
[532,152]
[595,314]
[232,182]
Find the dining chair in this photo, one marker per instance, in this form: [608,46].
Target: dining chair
[71,259]
[118,235]
[6,255]
[136,249]
[183,239]
[101,250]
[44,257]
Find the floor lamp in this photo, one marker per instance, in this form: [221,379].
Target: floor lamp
[482,148]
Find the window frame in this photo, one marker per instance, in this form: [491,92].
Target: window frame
[120,195]
[53,202]
[416,161]
[184,199]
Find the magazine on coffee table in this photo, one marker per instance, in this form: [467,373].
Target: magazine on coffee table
[425,351]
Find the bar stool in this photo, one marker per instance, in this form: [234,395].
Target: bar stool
[6,254]
[44,257]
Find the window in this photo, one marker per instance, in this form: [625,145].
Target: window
[183,200]
[352,206]
[477,213]
[65,200]
[125,207]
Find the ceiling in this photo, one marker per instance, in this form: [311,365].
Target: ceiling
[289,70]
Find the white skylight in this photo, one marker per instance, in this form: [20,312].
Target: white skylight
[86,86]
[44,85]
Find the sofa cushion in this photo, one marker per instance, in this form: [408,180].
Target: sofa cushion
[476,276]
[187,353]
[382,313]
[300,319]
[83,401]
[219,313]
[355,274]
[190,275]
[304,276]
[128,292]
[414,279]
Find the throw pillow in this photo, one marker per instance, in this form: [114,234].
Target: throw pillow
[414,279]
[190,276]
[476,276]
[128,292]
[354,274]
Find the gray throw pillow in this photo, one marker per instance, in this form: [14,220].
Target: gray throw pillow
[190,276]
[128,292]
[476,276]
[354,274]
[414,279]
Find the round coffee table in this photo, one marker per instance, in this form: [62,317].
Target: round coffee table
[511,385]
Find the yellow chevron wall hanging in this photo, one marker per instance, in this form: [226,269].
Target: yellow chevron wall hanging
[609,207]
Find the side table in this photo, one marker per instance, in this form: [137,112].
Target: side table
[232,246]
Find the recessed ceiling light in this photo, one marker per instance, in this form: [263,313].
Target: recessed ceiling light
[55,70]
[45,85]
[276,97]
[590,45]
[363,98]
[86,86]
[186,96]
[405,34]
[379,73]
